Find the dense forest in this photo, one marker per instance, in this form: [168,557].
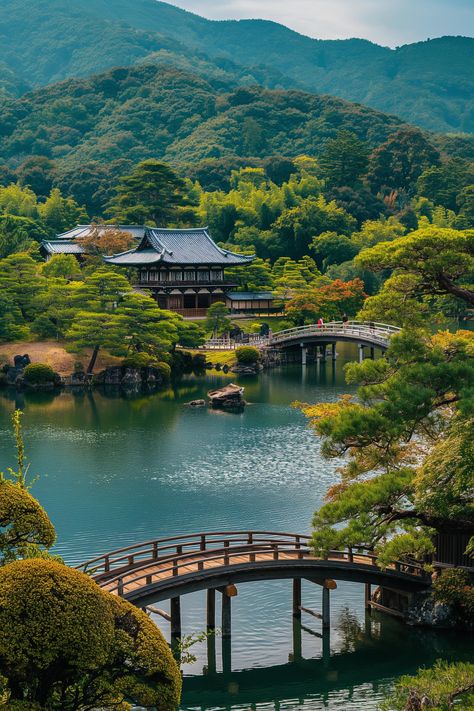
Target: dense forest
[427,83]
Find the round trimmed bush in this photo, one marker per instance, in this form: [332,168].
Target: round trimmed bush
[164,369]
[139,360]
[60,635]
[39,374]
[247,355]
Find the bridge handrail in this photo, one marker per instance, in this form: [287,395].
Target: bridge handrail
[179,562]
[185,540]
[350,327]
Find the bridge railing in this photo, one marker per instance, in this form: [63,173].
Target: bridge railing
[190,562]
[163,548]
[376,331]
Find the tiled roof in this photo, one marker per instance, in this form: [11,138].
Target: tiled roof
[250,295]
[136,231]
[173,246]
[59,246]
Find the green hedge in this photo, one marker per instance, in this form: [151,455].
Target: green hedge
[39,374]
[247,355]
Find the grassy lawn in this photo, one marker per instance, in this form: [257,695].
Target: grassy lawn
[214,357]
[54,353]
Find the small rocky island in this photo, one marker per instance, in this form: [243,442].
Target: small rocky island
[229,397]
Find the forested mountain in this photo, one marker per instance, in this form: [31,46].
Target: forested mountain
[428,83]
[153,111]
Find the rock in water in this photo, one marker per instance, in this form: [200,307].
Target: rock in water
[230,397]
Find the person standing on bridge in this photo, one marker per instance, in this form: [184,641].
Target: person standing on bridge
[320,322]
[345,319]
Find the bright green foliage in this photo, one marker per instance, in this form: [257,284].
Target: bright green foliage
[65,644]
[344,159]
[444,687]
[16,200]
[16,234]
[290,276]
[22,285]
[152,193]
[25,529]
[395,303]
[374,231]
[441,259]
[217,319]
[190,335]
[247,354]
[295,228]
[60,214]
[391,494]
[256,276]
[61,265]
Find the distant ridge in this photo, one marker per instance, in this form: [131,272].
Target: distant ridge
[430,84]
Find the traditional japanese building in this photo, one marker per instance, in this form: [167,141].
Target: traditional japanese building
[183,269]
[70,242]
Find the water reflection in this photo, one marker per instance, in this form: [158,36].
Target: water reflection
[115,471]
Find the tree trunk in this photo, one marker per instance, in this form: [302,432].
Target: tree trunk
[92,362]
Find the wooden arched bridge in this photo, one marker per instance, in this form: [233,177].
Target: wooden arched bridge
[372,335]
[313,336]
[170,567]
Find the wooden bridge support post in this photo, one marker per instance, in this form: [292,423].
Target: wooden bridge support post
[211,609]
[304,354]
[211,654]
[226,615]
[297,597]
[361,353]
[326,647]
[297,641]
[326,609]
[175,607]
[334,352]
[372,352]
[323,353]
[367,596]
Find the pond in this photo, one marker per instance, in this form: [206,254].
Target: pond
[115,471]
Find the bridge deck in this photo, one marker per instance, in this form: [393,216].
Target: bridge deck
[169,567]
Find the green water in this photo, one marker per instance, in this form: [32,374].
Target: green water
[116,471]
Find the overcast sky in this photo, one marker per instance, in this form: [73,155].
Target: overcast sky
[388,22]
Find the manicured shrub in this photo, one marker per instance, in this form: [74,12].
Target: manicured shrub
[63,638]
[24,524]
[39,374]
[247,355]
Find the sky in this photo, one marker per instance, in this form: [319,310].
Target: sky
[387,22]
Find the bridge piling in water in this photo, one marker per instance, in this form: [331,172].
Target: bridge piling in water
[211,609]
[175,607]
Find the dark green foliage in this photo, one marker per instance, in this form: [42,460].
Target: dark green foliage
[399,162]
[130,114]
[428,83]
[152,193]
[247,355]
[39,374]
[344,159]
[199,363]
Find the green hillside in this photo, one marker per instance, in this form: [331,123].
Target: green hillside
[152,111]
[428,83]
